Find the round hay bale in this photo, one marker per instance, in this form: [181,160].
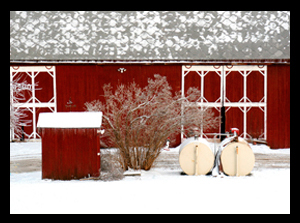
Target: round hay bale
[196,157]
[237,159]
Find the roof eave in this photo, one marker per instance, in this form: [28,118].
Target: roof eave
[148,62]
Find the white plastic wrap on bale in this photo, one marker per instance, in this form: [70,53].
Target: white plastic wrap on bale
[196,156]
[70,120]
[237,158]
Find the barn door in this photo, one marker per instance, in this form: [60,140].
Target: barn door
[241,89]
[38,95]
[245,96]
[209,80]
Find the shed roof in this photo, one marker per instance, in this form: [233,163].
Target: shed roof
[70,120]
[149,35]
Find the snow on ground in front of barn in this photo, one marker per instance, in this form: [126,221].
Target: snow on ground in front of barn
[25,150]
[155,191]
[33,150]
[261,148]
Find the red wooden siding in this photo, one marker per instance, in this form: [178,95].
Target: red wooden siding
[234,86]
[212,82]
[234,92]
[278,106]
[211,86]
[234,118]
[44,92]
[192,79]
[255,86]
[254,93]
[70,153]
[255,122]
[84,83]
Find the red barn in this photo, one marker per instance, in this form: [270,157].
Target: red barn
[239,60]
[70,144]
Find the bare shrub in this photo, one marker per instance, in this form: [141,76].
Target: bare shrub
[138,120]
[17,114]
[110,166]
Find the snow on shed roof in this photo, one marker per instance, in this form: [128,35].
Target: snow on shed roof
[149,35]
[70,120]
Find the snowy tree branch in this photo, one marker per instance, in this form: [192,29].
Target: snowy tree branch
[138,120]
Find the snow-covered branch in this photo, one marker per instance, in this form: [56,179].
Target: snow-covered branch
[17,115]
[138,120]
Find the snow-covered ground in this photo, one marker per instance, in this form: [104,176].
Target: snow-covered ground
[33,150]
[156,191]
[25,150]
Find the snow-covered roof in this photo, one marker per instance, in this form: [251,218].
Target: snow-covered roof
[149,35]
[70,120]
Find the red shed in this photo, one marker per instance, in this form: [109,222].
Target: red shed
[70,144]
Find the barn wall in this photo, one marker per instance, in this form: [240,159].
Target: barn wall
[70,153]
[84,83]
[278,106]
